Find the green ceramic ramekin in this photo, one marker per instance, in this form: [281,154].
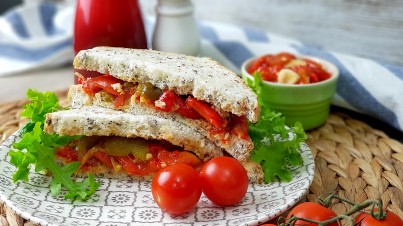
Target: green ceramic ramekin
[308,104]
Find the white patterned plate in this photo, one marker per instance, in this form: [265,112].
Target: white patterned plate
[127,202]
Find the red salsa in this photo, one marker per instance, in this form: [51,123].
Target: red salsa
[287,68]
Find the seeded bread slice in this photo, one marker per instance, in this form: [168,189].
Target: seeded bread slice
[236,147]
[203,78]
[97,121]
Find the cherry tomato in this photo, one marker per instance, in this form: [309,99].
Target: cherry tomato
[367,220]
[224,181]
[313,211]
[176,189]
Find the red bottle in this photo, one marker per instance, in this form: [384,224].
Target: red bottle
[108,23]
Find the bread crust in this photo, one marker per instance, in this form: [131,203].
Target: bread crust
[201,77]
[237,147]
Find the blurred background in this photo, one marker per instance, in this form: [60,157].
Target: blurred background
[366,28]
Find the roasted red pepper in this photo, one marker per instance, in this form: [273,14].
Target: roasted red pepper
[170,102]
[206,112]
[96,84]
[104,158]
[137,168]
[269,66]
[239,126]
[67,153]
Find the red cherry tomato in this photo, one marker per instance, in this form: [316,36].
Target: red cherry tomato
[176,189]
[366,219]
[224,181]
[313,211]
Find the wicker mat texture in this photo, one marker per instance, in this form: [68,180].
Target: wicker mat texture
[352,160]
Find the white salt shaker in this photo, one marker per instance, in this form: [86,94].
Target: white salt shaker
[175,28]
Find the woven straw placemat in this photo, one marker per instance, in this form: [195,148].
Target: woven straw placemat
[352,159]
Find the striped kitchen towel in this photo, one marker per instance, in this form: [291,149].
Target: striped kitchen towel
[35,35]
[39,35]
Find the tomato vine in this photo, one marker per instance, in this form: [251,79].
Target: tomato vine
[377,212]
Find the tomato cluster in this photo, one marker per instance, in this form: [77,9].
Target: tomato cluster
[316,212]
[269,67]
[176,189]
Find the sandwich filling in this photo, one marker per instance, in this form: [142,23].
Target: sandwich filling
[135,156]
[222,124]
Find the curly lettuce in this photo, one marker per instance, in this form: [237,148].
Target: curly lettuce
[276,146]
[37,149]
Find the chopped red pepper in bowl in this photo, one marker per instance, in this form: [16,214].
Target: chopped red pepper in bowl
[288,69]
[299,87]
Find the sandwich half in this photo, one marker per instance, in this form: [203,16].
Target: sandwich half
[114,143]
[192,91]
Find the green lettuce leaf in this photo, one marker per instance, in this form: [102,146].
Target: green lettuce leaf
[276,146]
[36,148]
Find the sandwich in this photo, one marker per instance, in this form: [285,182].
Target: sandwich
[166,84]
[168,107]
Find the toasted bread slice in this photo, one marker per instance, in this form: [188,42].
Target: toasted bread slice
[203,78]
[97,121]
[237,147]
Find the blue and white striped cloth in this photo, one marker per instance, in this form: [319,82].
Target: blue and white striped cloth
[39,35]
